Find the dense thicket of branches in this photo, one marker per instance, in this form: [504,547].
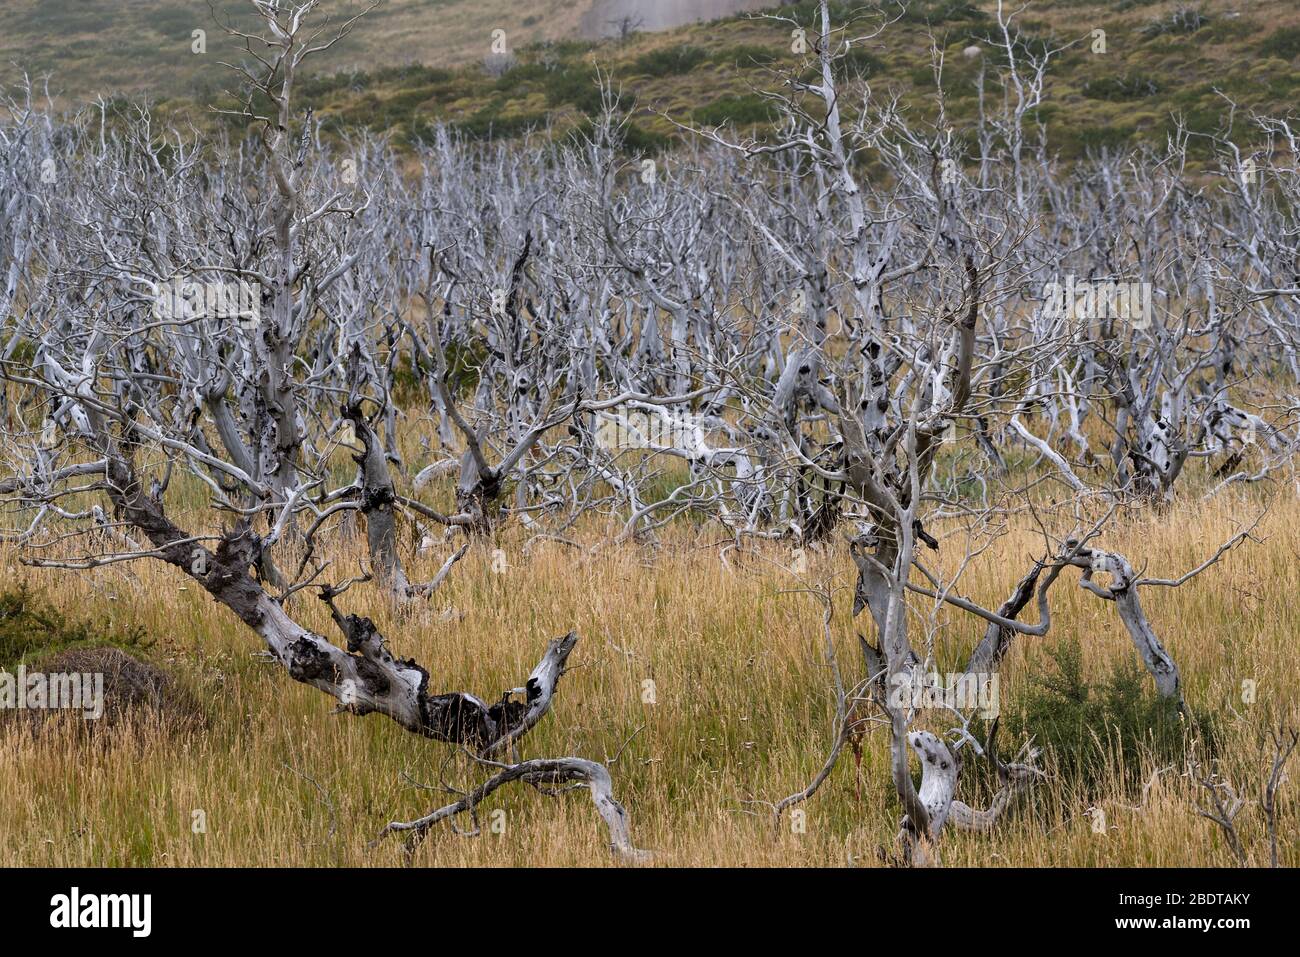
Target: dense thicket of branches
[844,327]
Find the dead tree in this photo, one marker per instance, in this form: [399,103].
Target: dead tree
[188,320]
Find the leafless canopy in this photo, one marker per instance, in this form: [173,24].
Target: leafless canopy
[815,349]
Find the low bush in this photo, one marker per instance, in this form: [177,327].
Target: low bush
[669,61]
[31,628]
[746,110]
[1095,733]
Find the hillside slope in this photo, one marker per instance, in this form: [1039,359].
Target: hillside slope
[412,63]
[144,46]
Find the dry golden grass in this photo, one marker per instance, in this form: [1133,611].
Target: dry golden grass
[743,712]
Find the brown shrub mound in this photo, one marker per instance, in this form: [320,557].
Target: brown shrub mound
[134,691]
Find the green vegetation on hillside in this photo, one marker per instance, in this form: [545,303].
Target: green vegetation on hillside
[1162,60]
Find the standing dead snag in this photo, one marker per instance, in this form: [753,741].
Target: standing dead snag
[940,356]
[997,636]
[1122,590]
[1222,808]
[1224,803]
[137,386]
[1284,744]
[378,503]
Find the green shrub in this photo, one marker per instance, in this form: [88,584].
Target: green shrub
[744,110]
[916,11]
[489,124]
[1180,20]
[851,65]
[175,24]
[316,85]
[944,11]
[24,354]
[1088,140]
[858,62]
[561,48]
[638,140]
[669,61]
[408,382]
[1098,731]
[746,55]
[1127,86]
[412,73]
[1284,43]
[522,74]
[922,76]
[465,360]
[30,628]
[577,85]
